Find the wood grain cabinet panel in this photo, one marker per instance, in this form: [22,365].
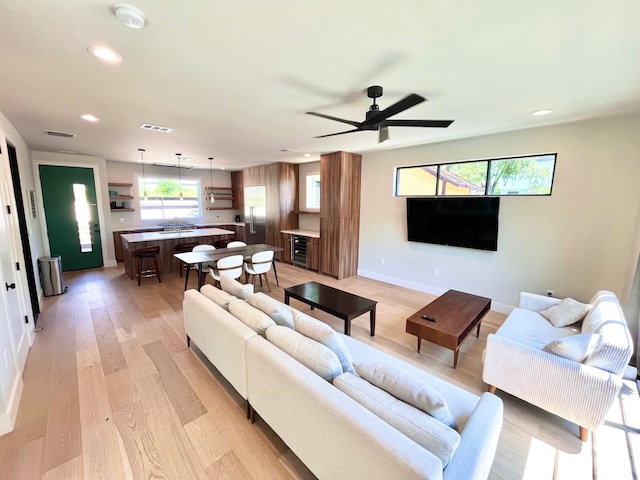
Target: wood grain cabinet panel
[339,213]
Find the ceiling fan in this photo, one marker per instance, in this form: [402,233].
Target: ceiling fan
[379,120]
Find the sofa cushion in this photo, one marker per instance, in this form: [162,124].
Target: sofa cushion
[250,316]
[278,312]
[566,312]
[574,347]
[323,333]
[235,288]
[220,297]
[406,387]
[313,355]
[420,427]
[532,329]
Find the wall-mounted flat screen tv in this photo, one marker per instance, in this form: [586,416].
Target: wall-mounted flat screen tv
[470,222]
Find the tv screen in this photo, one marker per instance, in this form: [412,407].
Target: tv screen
[470,222]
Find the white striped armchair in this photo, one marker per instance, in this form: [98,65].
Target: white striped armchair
[517,362]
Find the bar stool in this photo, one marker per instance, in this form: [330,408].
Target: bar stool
[147,252]
[183,248]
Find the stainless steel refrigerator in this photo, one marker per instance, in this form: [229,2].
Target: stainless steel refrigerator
[255,214]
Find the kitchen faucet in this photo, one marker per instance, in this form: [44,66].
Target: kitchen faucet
[176,223]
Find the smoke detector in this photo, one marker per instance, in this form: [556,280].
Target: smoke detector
[129,15]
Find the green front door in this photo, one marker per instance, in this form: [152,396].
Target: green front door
[70,206]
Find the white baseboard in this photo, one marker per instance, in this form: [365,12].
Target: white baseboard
[421,287]
[8,417]
[111,263]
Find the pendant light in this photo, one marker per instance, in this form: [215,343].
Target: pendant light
[179,175]
[212,198]
[144,179]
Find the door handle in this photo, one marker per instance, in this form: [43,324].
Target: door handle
[9,285]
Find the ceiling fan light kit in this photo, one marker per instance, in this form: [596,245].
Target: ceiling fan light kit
[379,120]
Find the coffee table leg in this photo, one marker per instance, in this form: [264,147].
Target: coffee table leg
[286,298]
[419,343]
[347,326]
[478,331]
[372,321]
[455,358]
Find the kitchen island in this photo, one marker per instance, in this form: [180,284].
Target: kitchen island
[167,241]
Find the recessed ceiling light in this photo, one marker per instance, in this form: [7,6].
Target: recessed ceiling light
[185,159]
[71,152]
[540,113]
[105,54]
[89,118]
[307,155]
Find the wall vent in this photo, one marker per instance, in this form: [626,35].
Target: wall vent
[53,133]
[155,128]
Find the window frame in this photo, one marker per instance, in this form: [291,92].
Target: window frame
[489,161]
[306,196]
[176,178]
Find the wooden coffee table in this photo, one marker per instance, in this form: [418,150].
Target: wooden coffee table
[456,314]
[344,305]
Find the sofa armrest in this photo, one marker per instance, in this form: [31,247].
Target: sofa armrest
[536,302]
[579,393]
[479,440]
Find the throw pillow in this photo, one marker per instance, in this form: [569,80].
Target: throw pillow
[313,355]
[574,347]
[279,312]
[250,316]
[419,426]
[566,312]
[235,288]
[406,387]
[323,333]
[220,297]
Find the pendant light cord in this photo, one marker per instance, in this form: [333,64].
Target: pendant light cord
[144,178]
[179,175]
[212,198]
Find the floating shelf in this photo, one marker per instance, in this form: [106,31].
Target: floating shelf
[117,184]
[122,210]
[221,208]
[121,197]
[218,188]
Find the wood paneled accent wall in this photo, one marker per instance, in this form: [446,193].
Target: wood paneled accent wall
[238,191]
[339,213]
[281,180]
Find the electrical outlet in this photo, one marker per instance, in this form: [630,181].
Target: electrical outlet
[436,272]
[381,260]
[122,220]
[550,293]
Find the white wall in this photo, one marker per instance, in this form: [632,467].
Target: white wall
[579,240]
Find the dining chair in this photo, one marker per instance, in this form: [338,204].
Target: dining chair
[230,266]
[205,248]
[259,264]
[183,248]
[236,243]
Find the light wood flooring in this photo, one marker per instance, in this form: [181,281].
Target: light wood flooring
[111,391]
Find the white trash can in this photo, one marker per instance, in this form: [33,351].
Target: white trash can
[51,276]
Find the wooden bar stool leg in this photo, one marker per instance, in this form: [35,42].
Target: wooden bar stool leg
[139,269]
[155,262]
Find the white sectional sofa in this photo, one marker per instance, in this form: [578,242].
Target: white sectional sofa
[335,436]
[574,371]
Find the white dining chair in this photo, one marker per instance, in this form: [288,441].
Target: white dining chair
[230,266]
[236,243]
[259,264]
[204,248]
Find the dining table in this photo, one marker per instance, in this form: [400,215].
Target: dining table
[200,257]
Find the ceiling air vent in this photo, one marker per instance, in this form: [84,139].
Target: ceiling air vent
[155,128]
[59,134]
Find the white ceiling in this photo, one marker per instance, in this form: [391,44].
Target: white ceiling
[234,78]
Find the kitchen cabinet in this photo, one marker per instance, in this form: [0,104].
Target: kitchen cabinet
[286,245]
[339,213]
[281,182]
[120,198]
[312,248]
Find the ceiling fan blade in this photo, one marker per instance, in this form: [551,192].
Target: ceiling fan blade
[383,133]
[400,106]
[339,133]
[418,123]
[329,117]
